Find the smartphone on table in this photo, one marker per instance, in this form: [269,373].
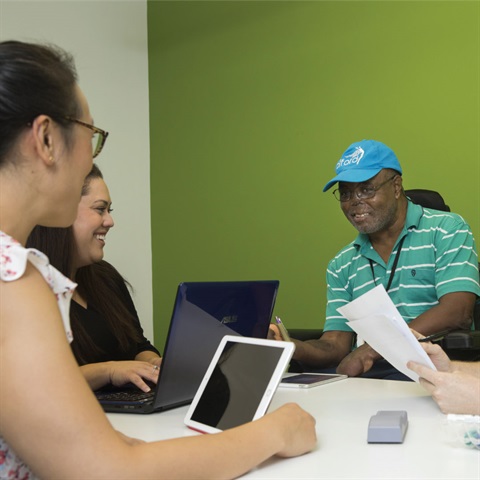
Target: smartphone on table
[309,380]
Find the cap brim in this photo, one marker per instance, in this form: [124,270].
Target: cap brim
[353,176]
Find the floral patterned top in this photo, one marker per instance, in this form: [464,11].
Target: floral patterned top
[13,262]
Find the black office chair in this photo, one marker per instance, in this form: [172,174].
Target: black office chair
[427,199]
[462,344]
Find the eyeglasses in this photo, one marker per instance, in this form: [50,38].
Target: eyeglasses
[99,136]
[362,193]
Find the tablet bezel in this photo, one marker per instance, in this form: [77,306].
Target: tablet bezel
[287,349]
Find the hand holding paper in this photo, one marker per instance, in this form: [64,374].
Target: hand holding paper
[374,317]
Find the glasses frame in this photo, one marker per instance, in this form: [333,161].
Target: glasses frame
[359,195]
[103,134]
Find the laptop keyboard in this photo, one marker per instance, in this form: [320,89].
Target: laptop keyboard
[126,397]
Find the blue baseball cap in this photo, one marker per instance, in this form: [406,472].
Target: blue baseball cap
[362,161]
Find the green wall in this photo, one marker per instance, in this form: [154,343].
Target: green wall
[252,104]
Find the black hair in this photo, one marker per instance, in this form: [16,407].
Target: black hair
[95,172]
[103,288]
[34,80]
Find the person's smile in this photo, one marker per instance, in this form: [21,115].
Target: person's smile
[100,236]
[359,216]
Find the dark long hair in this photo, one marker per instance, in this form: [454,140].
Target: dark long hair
[103,287]
[34,80]
[97,283]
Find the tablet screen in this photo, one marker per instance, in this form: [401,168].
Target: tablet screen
[239,383]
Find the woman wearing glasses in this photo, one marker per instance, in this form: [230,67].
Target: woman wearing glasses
[51,425]
[109,343]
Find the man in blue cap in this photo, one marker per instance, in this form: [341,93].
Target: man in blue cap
[426,259]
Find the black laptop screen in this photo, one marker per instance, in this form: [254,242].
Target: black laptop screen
[204,313]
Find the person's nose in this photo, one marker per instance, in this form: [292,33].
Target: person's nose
[355,200]
[108,221]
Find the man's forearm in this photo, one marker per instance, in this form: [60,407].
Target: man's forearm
[359,361]
[455,311]
[320,353]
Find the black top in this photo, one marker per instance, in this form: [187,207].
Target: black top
[99,331]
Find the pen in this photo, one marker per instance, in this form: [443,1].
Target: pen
[283,330]
[434,336]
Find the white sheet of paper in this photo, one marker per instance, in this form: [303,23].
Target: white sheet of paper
[374,317]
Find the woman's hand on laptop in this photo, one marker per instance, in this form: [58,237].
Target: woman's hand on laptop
[150,357]
[120,373]
[133,371]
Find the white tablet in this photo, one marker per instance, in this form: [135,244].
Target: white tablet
[239,383]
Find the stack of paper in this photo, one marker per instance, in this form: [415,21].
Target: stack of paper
[374,317]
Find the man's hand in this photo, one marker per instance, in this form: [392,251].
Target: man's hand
[274,333]
[359,361]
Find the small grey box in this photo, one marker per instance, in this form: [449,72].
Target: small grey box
[387,426]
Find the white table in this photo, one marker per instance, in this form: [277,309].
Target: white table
[343,410]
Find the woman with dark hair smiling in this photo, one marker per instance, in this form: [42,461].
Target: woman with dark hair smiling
[109,343]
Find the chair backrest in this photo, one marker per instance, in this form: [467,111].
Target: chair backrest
[427,198]
[476,315]
[432,199]
[476,310]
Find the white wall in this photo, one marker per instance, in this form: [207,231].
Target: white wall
[109,42]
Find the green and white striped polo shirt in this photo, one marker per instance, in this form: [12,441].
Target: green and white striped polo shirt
[438,256]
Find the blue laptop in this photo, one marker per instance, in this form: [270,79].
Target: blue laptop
[203,313]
